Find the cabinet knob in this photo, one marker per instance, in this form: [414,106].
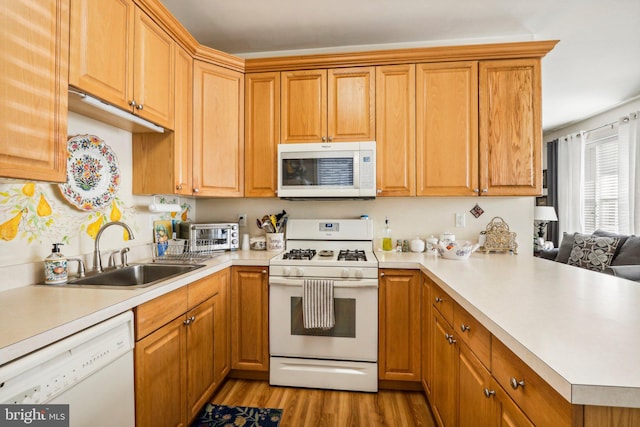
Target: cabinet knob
[515,383]
[187,321]
[196,190]
[264,271]
[465,328]
[178,187]
[476,190]
[485,190]
[450,338]
[489,393]
[379,191]
[324,139]
[438,299]
[139,106]
[133,103]
[330,139]
[381,274]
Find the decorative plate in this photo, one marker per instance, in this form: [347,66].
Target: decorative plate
[93,175]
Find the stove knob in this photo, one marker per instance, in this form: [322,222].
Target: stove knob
[345,273]
[299,271]
[286,271]
[359,273]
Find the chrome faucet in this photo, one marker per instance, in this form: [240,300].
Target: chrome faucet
[97,261]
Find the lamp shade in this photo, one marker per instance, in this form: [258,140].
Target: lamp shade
[544,213]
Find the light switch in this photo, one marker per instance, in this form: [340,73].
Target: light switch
[460,220]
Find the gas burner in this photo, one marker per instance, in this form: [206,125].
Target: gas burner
[325,253]
[300,254]
[351,255]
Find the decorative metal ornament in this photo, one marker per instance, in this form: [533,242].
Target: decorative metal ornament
[499,238]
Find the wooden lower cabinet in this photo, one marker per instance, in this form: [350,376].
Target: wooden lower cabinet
[399,325]
[444,372]
[426,333]
[179,365]
[250,318]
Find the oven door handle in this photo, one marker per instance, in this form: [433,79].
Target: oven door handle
[360,283]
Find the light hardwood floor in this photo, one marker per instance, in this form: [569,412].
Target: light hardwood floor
[330,408]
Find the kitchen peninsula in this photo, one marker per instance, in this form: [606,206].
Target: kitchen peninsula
[572,327]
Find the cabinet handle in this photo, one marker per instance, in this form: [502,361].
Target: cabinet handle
[196,190]
[139,106]
[476,190]
[488,393]
[465,328]
[450,338]
[381,274]
[438,299]
[192,318]
[324,139]
[178,187]
[330,139]
[379,191]
[515,383]
[264,271]
[485,190]
[133,103]
[187,321]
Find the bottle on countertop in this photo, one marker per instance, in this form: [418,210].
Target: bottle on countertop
[55,266]
[387,243]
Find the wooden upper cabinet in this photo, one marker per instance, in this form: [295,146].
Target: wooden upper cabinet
[336,105]
[101,54]
[33,89]
[447,129]
[510,127]
[120,55]
[304,106]
[218,131]
[154,56]
[351,104]
[396,130]
[262,133]
[183,144]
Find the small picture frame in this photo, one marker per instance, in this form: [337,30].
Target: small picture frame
[542,201]
[162,232]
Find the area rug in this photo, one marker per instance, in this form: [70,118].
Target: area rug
[221,415]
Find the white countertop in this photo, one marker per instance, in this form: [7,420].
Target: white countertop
[577,329]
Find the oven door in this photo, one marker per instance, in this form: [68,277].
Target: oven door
[354,336]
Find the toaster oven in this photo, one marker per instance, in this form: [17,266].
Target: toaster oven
[210,237]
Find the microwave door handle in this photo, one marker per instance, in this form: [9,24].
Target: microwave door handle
[356,169]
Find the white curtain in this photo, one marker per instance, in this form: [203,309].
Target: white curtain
[570,183]
[629,176]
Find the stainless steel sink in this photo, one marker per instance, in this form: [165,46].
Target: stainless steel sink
[136,276]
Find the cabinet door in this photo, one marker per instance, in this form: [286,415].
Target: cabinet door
[222,332]
[507,412]
[33,89]
[160,377]
[447,129]
[444,372]
[218,131]
[351,104]
[201,354]
[396,130]
[183,144]
[510,128]
[475,408]
[399,325]
[101,54]
[426,333]
[153,82]
[250,319]
[304,106]
[262,134]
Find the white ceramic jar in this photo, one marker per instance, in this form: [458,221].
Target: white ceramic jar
[416,245]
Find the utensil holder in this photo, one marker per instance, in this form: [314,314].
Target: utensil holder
[275,241]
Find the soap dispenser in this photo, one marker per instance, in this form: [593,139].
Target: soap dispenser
[55,267]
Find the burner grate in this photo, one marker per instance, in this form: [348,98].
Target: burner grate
[351,255]
[300,254]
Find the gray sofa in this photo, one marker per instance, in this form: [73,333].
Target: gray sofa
[615,254]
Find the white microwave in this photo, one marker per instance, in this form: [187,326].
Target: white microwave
[327,170]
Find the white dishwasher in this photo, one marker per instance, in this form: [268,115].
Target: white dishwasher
[91,371]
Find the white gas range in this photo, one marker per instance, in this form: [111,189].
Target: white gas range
[344,356]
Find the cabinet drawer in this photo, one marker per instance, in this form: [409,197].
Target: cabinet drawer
[443,302]
[476,336]
[160,311]
[531,393]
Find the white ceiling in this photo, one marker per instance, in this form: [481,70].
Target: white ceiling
[595,66]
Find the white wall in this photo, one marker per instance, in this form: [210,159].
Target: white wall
[409,216]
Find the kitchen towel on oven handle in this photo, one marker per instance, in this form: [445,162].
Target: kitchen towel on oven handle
[317,304]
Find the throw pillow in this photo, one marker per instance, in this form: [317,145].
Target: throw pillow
[564,251]
[629,253]
[623,238]
[593,253]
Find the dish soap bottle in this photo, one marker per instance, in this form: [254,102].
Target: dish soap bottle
[387,243]
[55,266]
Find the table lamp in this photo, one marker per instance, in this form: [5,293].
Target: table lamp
[544,214]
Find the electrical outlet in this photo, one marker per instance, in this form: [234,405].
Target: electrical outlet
[460,220]
[242,220]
